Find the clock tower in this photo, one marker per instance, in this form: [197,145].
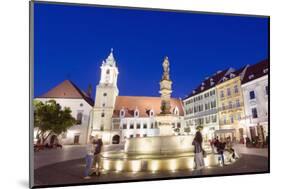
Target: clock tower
[106,93]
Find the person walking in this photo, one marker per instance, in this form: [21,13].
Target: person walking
[220,149]
[90,149]
[198,151]
[97,155]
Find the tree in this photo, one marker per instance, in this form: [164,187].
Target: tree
[50,119]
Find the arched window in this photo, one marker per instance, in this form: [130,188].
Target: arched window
[116,139]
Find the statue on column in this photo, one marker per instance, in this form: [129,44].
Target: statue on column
[165,88]
[166,73]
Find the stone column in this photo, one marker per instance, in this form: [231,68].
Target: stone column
[165,88]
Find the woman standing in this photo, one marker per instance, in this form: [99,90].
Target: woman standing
[198,151]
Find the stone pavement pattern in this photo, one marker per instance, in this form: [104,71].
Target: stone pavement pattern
[70,172]
[68,152]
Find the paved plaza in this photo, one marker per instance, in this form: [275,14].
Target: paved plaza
[69,167]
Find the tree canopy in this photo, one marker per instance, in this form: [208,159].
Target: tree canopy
[50,118]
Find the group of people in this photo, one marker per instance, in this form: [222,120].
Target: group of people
[224,149]
[94,148]
[92,158]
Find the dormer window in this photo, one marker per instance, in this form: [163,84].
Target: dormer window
[176,111]
[193,91]
[232,75]
[265,70]
[202,88]
[151,113]
[251,76]
[224,78]
[136,114]
[203,84]
[212,82]
[122,113]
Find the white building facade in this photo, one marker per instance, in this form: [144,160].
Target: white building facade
[256,94]
[201,106]
[68,95]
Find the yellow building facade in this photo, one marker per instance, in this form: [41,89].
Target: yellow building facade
[231,108]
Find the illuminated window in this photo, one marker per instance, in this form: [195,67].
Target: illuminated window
[231,119]
[237,103]
[254,113]
[235,89]
[79,118]
[222,94]
[228,92]
[229,104]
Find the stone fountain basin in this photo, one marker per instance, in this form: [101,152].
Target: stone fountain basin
[121,161]
[159,145]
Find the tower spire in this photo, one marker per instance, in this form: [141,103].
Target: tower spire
[110,60]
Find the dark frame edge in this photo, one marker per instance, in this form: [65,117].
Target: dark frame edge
[31,92]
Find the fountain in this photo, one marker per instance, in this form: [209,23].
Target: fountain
[165,152]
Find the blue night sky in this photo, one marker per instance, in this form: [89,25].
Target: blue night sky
[71,42]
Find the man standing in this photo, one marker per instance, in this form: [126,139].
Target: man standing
[90,149]
[97,155]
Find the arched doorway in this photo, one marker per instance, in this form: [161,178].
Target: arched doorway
[116,139]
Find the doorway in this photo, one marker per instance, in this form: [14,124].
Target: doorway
[116,139]
[76,139]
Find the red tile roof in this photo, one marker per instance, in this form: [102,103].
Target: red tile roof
[256,71]
[143,104]
[67,89]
